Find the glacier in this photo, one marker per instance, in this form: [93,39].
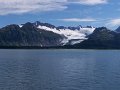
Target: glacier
[75,36]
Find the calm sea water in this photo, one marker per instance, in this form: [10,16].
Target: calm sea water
[59,70]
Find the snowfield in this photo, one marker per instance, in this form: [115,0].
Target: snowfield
[72,36]
[75,36]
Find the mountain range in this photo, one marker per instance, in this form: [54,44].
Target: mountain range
[45,35]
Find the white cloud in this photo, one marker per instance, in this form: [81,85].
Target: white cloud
[78,20]
[90,2]
[114,22]
[25,6]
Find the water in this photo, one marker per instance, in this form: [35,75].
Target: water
[59,70]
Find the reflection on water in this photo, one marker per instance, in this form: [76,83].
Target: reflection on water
[59,70]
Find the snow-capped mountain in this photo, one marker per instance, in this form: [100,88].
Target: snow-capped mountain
[72,35]
[45,35]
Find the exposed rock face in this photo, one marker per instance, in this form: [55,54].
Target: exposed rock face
[28,35]
[101,38]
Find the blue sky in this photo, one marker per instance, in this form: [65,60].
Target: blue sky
[61,12]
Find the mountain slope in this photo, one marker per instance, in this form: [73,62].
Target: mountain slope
[72,35]
[101,38]
[28,35]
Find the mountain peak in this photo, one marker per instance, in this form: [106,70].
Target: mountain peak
[102,29]
[11,27]
[37,23]
[28,26]
[118,29]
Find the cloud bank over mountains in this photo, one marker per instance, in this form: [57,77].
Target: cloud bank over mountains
[17,7]
[30,6]
[78,19]
[89,2]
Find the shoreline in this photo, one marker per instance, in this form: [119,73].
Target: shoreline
[42,48]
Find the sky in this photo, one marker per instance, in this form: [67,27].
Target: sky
[96,13]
